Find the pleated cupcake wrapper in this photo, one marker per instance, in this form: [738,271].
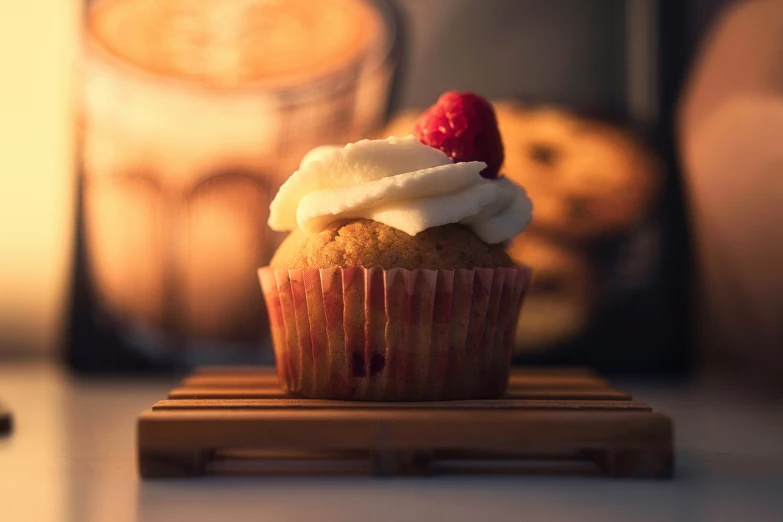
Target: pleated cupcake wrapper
[374,334]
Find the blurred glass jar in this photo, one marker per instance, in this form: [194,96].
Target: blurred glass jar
[193,113]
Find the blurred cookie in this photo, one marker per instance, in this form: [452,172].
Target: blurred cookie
[586,178]
[557,305]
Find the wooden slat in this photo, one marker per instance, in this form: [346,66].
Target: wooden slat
[234,370]
[270,392]
[273,392]
[516,380]
[350,407]
[521,370]
[359,454]
[499,430]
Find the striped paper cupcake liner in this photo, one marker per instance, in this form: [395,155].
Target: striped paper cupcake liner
[394,335]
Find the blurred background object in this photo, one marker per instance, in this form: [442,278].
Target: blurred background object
[189,114]
[193,114]
[594,240]
[560,300]
[585,113]
[731,126]
[589,180]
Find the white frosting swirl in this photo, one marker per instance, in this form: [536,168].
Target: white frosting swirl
[401,183]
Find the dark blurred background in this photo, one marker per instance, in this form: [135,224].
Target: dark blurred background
[136,214]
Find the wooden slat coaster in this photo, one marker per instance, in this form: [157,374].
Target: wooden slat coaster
[272,391]
[220,416]
[6,421]
[559,371]
[320,404]
[520,379]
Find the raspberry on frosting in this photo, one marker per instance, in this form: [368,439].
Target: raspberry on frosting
[463,125]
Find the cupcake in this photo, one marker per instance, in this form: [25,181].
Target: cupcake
[394,283]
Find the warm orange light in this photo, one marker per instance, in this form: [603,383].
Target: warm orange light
[37,54]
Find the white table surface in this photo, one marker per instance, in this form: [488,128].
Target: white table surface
[71,457]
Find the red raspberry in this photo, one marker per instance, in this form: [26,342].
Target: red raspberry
[463,125]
